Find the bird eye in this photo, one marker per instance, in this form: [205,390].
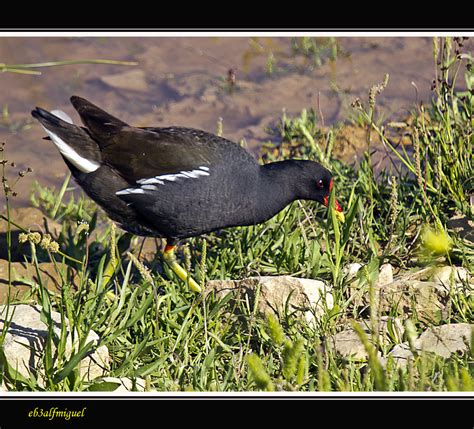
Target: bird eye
[320,183]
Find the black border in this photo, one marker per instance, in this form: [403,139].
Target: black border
[365,411]
[342,411]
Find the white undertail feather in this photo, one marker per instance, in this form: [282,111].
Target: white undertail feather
[62,115]
[83,164]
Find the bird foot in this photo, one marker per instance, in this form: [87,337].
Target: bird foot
[170,258]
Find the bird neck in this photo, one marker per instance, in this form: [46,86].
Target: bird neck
[277,187]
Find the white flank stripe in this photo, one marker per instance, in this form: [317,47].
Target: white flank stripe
[152,181]
[189,174]
[83,164]
[170,177]
[159,180]
[130,191]
[149,187]
[195,173]
[200,173]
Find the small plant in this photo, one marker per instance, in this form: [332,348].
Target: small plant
[316,49]
[290,369]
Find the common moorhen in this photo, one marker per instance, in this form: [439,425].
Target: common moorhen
[176,182]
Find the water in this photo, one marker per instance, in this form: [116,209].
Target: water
[183,81]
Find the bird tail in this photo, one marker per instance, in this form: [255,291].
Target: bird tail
[100,124]
[74,143]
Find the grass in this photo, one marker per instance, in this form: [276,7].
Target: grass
[179,341]
[31,68]
[306,54]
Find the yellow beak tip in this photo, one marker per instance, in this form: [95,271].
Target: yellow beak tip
[340,216]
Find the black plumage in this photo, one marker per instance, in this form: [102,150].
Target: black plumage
[176,182]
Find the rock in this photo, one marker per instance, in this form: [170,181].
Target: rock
[31,219]
[351,270]
[443,341]
[385,276]
[133,80]
[23,274]
[443,275]
[348,345]
[429,301]
[25,340]
[424,292]
[305,296]
[406,295]
[401,353]
[125,384]
[446,339]
[412,296]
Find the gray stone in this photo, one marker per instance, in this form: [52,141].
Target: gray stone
[390,329]
[349,346]
[385,276]
[444,275]
[413,296]
[25,340]
[446,339]
[401,353]
[424,293]
[443,341]
[351,270]
[307,297]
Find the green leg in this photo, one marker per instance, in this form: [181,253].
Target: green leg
[170,259]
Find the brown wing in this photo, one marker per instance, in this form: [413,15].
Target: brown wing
[138,153]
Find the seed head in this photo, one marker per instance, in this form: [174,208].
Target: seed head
[34,237]
[53,247]
[436,240]
[46,241]
[144,271]
[82,226]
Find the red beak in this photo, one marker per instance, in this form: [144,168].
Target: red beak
[337,206]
